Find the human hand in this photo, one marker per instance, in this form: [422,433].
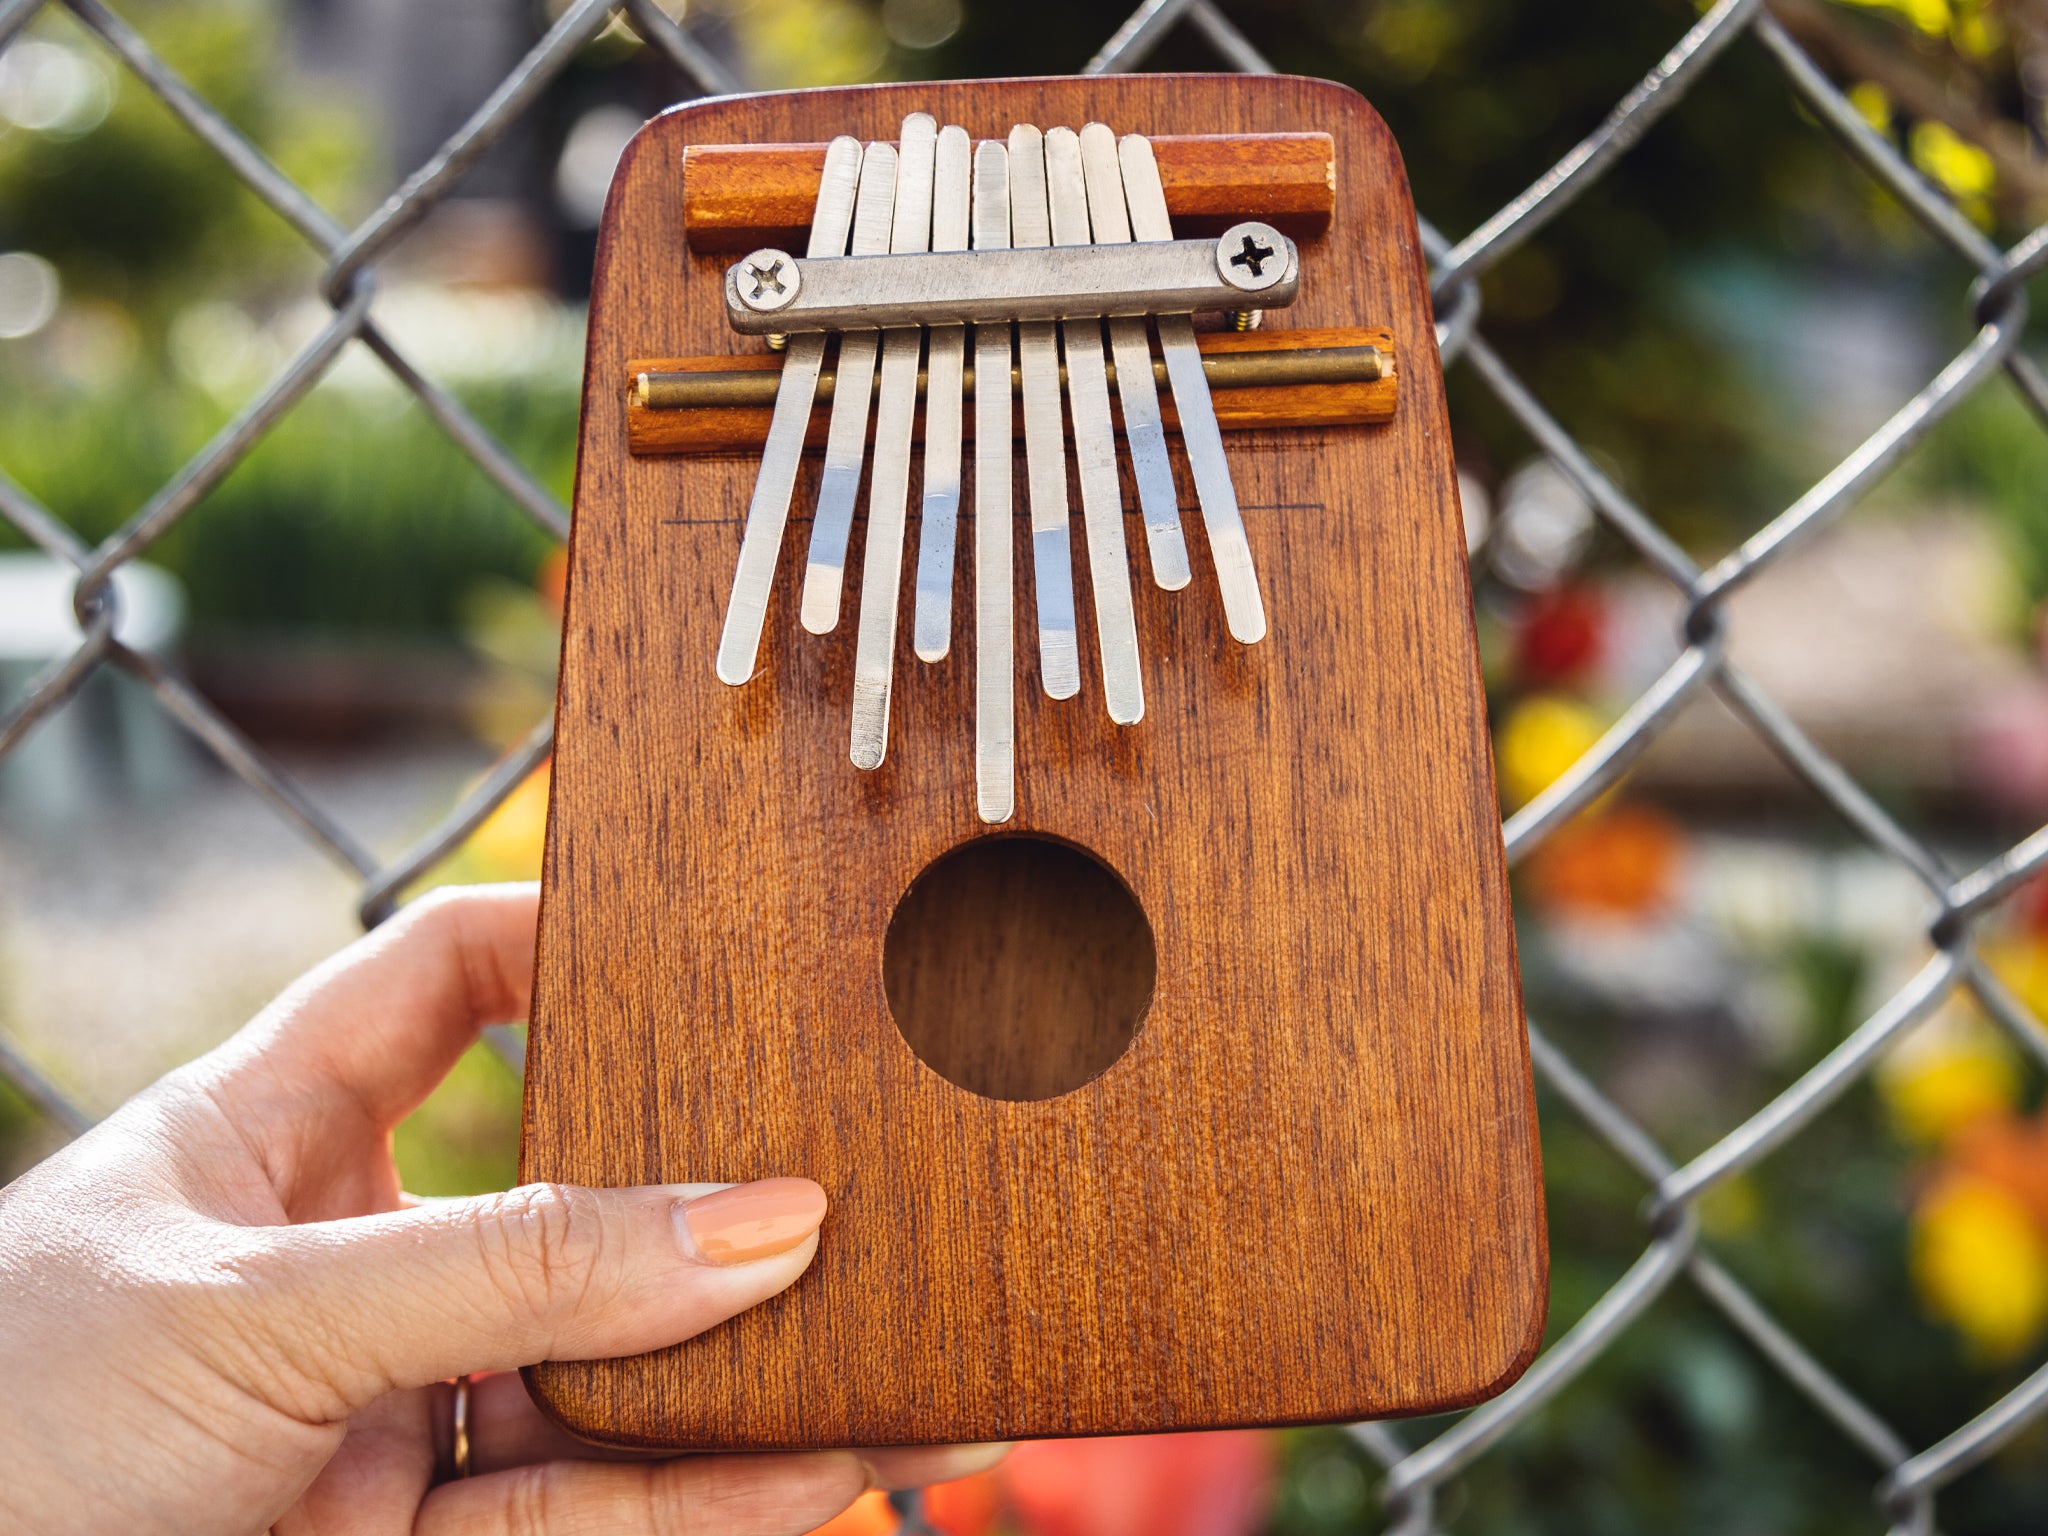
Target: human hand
[223,1315]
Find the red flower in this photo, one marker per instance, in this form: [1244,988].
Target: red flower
[1558,637]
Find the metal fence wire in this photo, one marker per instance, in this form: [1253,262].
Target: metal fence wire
[1906,1480]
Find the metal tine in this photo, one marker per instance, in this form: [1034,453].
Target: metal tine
[1102,499]
[881,575]
[945,361]
[995,644]
[1228,547]
[739,645]
[1137,393]
[846,438]
[1045,442]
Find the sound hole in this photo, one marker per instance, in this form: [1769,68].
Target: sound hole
[1018,967]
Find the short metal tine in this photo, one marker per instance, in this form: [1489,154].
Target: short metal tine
[995,645]
[945,361]
[739,646]
[1228,547]
[881,574]
[1130,347]
[1102,498]
[1045,442]
[847,437]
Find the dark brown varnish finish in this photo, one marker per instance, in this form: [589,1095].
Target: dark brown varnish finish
[1309,1189]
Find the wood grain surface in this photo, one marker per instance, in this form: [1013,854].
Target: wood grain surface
[737,197]
[727,428]
[1309,1188]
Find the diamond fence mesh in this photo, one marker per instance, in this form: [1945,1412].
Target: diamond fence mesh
[1906,1479]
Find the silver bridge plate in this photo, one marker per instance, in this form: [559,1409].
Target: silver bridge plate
[1251,267]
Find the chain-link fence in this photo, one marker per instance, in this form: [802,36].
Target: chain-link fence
[1906,1479]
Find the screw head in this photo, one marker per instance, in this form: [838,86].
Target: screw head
[1253,256]
[767,280]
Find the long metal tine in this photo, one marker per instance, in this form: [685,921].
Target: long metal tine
[1102,501]
[995,643]
[1137,393]
[1243,610]
[1045,442]
[768,513]
[945,362]
[846,438]
[881,577]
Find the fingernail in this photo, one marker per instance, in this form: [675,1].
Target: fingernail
[752,1221]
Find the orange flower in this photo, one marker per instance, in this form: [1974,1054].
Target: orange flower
[1149,1485]
[966,1507]
[552,580]
[1623,863]
[2010,1152]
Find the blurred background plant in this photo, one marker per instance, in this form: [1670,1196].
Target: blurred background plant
[1719,320]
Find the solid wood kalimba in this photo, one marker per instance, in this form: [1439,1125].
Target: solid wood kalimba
[1152,1022]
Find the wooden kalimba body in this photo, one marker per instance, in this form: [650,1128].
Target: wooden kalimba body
[1086,867]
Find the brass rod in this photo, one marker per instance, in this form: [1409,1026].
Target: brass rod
[1265,369]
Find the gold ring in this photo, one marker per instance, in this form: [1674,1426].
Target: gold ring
[458,1429]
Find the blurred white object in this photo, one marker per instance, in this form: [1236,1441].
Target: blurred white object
[1478,509]
[921,23]
[111,741]
[37,624]
[29,291]
[1895,643]
[47,87]
[589,157]
[1543,524]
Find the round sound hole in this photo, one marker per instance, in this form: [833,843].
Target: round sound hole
[1018,967]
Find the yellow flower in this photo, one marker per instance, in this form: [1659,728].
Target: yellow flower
[1981,1264]
[1951,1072]
[1731,1208]
[1872,104]
[1541,739]
[1952,161]
[1934,17]
[2020,960]
[508,845]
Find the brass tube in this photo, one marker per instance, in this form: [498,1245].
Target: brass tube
[1265,369]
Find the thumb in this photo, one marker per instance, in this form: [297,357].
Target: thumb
[543,1272]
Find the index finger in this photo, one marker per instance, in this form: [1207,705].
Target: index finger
[378,1025]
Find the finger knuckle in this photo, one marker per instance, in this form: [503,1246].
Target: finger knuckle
[546,1245]
[528,1496]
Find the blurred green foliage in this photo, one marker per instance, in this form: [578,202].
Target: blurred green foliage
[1994,452]
[138,211]
[18,1126]
[354,514]
[465,1139]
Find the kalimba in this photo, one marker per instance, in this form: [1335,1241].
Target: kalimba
[1130,959]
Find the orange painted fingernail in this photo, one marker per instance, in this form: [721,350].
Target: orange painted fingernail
[753,1221]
